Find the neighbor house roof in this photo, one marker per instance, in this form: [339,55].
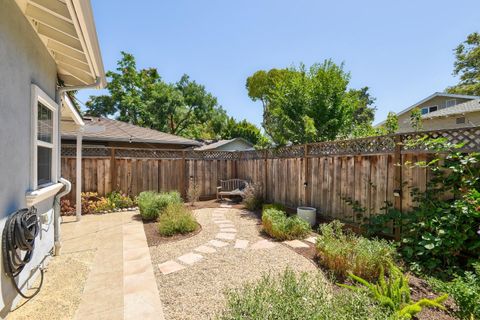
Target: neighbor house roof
[436,94]
[461,108]
[104,129]
[220,143]
[67,29]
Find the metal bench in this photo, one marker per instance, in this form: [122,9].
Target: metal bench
[231,188]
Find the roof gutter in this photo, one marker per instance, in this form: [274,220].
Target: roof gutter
[94,85]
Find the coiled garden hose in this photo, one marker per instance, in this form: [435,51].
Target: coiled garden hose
[18,243]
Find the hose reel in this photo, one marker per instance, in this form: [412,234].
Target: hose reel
[18,244]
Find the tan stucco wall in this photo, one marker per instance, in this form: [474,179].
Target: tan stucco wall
[404,119]
[471,120]
[237,145]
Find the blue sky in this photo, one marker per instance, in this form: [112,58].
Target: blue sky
[402,50]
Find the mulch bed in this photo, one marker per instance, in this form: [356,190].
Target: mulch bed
[154,238]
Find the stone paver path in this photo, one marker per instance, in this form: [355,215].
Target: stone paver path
[121,283]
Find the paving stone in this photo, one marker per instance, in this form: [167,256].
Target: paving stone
[263,244]
[312,240]
[226,225]
[222,221]
[225,236]
[228,230]
[296,244]
[225,206]
[170,267]
[190,258]
[218,243]
[241,244]
[205,249]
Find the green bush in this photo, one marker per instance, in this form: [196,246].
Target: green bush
[298,297]
[276,206]
[343,251]
[465,290]
[277,225]
[253,196]
[176,219]
[120,200]
[152,204]
[394,293]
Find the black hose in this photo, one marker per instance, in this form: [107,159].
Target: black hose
[18,243]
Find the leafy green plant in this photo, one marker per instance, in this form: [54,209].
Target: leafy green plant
[465,290]
[120,200]
[152,204]
[176,219]
[277,225]
[343,251]
[253,198]
[289,296]
[394,293]
[276,206]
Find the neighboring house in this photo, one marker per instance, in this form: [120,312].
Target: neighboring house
[462,115]
[46,49]
[114,133]
[434,103]
[236,144]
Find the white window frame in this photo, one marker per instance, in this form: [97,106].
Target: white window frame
[38,95]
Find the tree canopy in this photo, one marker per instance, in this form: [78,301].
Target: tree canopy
[303,105]
[183,108]
[467,66]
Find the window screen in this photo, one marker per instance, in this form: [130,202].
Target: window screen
[44,124]
[44,165]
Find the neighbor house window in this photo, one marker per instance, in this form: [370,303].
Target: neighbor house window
[450,103]
[429,109]
[45,128]
[460,120]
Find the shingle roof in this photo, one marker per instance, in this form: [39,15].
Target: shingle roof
[104,129]
[220,143]
[461,108]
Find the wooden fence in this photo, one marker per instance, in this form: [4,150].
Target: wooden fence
[323,175]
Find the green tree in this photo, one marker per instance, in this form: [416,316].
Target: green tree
[142,98]
[467,66]
[391,124]
[242,129]
[416,119]
[306,105]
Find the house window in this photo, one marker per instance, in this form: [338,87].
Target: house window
[432,108]
[424,110]
[460,120]
[45,145]
[450,103]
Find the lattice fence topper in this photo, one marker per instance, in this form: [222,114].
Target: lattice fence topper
[369,145]
[297,151]
[470,137]
[212,155]
[252,154]
[71,151]
[148,153]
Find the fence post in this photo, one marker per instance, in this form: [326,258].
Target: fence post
[306,184]
[113,170]
[183,178]
[398,182]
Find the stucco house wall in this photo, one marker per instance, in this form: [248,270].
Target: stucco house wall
[24,61]
[472,119]
[237,145]
[404,119]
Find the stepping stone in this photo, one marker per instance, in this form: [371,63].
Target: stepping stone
[225,206]
[190,258]
[263,244]
[225,236]
[312,240]
[205,249]
[241,244]
[226,225]
[228,230]
[222,221]
[296,244]
[170,267]
[218,243]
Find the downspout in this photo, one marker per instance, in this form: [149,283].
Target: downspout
[56,214]
[65,182]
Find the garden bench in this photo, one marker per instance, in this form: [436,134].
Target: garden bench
[231,188]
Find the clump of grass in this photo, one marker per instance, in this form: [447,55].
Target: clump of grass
[176,219]
[152,204]
[343,252]
[303,297]
[277,206]
[253,196]
[277,225]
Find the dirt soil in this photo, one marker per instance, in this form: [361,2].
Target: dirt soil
[154,238]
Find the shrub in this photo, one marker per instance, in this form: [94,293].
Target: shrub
[277,206]
[120,200]
[465,290]
[66,208]
[253,198]
[343,251]
[394,293]
[277,225]
[152,204]
[176,219]
[298,297]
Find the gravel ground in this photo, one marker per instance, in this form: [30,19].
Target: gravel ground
[62,289]
[197,292]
